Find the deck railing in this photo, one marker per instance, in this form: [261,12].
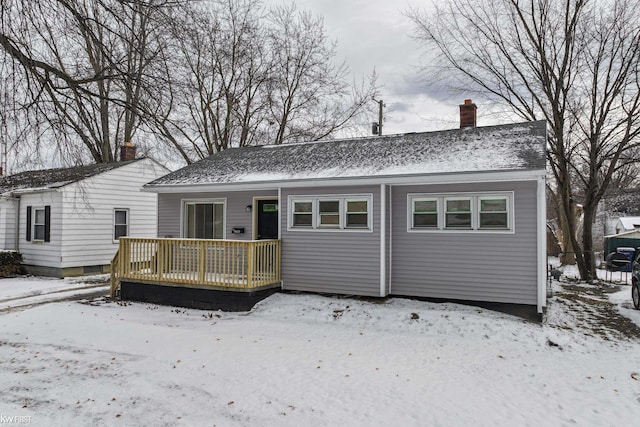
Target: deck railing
[238,264]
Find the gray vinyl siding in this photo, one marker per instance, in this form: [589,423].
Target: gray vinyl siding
[342,262]
[389,239]
[170,205]
[467,266]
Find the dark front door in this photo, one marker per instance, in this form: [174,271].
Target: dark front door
[267,219]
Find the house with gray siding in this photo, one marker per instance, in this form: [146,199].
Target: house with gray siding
[457,214]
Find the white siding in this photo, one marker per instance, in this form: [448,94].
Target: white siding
[8,223]
[46,254]
[88,212]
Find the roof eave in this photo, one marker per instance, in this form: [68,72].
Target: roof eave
[408,179]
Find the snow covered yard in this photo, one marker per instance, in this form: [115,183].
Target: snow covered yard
[314,361]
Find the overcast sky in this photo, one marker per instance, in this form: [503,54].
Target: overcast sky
[375,34]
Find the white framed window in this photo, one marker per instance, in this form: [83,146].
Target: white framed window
[39,224]
[303,213]
[490,212]
[457,213]
[203,219]
[493,213]
[357,213]
[424,213]
[331,213]
[120,223]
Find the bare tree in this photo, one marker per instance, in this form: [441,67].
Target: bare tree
[87,65]
[196,76]
[219,93]
[254,76]
[571,63]
[310,97]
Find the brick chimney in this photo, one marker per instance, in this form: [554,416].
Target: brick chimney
[468,114]
[127,151]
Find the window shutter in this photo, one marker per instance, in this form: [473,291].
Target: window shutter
[28,223]
[47,223]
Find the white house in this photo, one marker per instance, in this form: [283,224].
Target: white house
[627,223]
[67,221]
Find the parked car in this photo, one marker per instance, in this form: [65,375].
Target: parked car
[635,281]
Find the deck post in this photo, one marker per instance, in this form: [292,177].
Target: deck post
[160,255]
[278,265]
[126,254]
[202,258]
[250,262]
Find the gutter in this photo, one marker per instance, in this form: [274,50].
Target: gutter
[435,178]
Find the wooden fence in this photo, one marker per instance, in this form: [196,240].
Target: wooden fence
[238,264]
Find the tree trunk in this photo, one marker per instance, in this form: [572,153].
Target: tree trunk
[587,244]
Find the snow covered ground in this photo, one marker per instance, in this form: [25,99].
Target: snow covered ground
[309,360]
[23,292]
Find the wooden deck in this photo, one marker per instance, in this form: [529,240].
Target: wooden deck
[236,265]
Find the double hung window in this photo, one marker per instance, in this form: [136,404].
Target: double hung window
[458,213]
[120,223]
[494,213]
[425,213]
[38,224]
[303,213]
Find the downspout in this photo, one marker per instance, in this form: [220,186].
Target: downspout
[390,242]
[280,233]
[542,245]
[383,240]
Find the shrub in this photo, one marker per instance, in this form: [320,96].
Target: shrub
[10,263]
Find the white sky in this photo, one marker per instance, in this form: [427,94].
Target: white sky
[375,34]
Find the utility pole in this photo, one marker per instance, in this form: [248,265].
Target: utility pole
[377,127]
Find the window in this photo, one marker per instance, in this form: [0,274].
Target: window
[120,223]
[341,212]
[458,213]
[303,214]
[493,213]
[203,220]
[477,212]
[357,214]
[425,213]
[329,213]
[38,224]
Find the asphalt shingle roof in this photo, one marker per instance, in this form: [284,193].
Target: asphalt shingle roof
[493,148]
[48,179]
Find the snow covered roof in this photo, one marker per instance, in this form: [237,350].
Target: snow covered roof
[49,179]
[625,201]
[630,222]
[493,148]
